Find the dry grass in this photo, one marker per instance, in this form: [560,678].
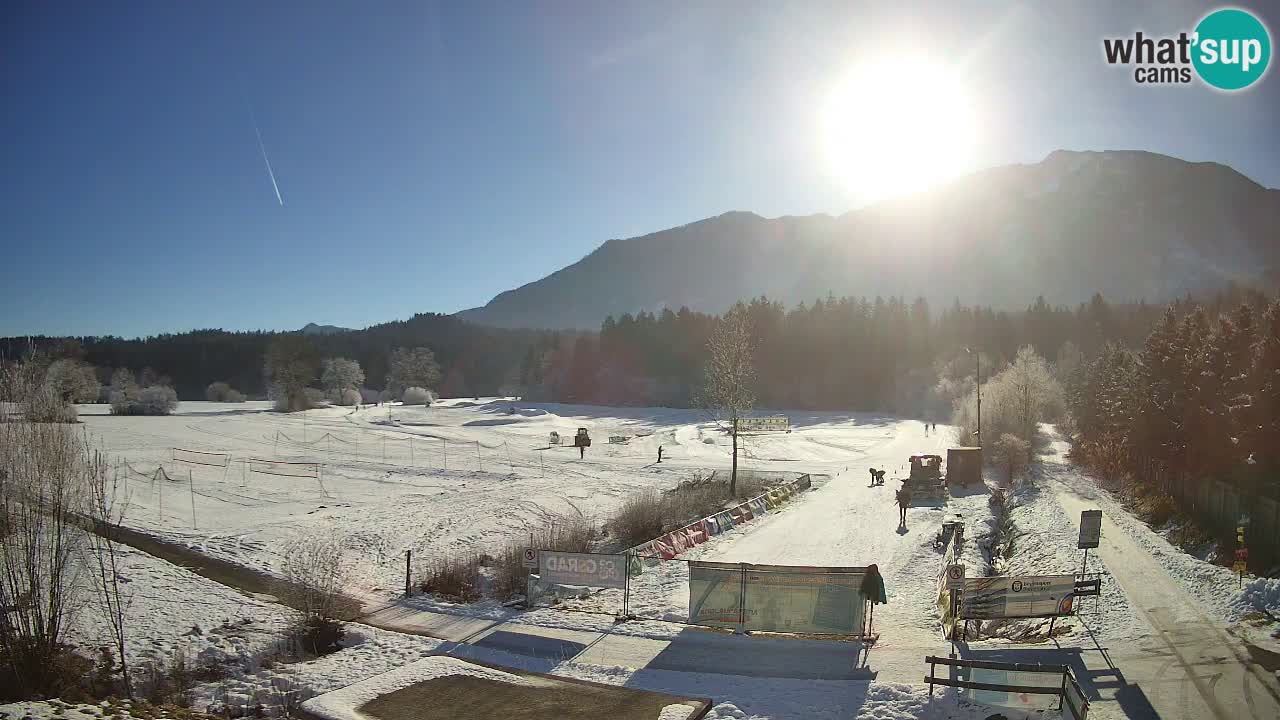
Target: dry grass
[455,578]
[561,533]
[647,515]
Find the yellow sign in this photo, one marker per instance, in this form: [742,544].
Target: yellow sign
[1239,567]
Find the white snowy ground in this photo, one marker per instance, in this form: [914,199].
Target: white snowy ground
[172,610]
[435,503]
[1215,588]
[458,477]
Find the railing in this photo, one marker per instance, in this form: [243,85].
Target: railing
[1064,686]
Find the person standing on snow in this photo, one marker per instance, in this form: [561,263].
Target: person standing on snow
[904,501]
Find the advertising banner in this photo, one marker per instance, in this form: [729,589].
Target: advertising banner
[200,457]
[1021,596]
[665,547]
[764,424]
[1016,700]
[803,600]
[586,569]
[715,594]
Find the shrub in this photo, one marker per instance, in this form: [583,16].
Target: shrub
[347,397]
[647,515]
[455,578]
[44,404]
[416,396]
[222,392]
[154,400]
[639,520]
[320,635]
[1011,453]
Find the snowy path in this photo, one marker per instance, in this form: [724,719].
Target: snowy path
[1188,665]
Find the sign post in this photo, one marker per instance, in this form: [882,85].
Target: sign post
[1241,564]
[531,558]
[1090,534]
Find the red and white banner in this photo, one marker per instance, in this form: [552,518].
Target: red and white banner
[665,547]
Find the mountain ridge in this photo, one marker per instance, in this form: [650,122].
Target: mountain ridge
[1129,224]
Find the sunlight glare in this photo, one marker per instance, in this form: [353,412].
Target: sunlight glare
[896,126]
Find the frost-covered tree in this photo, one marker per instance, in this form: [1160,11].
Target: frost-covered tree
[410,367]
[341,374]
[73,380]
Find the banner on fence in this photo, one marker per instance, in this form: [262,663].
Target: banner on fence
[776,598]
[285,469]
[1014,699]
[200,457]
[1020,596]
[586,569]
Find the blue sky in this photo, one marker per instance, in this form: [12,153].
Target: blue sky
[431,155]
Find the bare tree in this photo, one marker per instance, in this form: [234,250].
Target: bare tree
[105,507]
[729,376]
[412,367]
[341,374]
[42,479]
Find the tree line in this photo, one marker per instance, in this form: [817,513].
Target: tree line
[834,353]
[1198,399]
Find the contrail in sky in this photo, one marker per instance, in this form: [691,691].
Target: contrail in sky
[263,148]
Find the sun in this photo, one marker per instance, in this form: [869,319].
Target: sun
[897,125]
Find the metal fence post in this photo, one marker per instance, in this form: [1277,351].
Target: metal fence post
[742,598]
[408,555]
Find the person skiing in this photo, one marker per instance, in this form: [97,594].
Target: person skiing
[904,501]
[659,453]
[873,476]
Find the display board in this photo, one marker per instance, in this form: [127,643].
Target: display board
[780,423]
[586,569]
[1020,596]
[1029,702]
[1090,529]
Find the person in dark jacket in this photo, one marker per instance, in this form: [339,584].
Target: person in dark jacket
[904,502]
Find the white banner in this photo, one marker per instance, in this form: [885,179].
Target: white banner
[586,569]
[782,423]
[199,457]
[1012,597]
[285,469]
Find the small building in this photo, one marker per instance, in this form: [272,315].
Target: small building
[964,466]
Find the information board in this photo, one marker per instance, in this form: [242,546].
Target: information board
[1090,528]
[781,423]
[1012,597]
[1017,700]
[586,569]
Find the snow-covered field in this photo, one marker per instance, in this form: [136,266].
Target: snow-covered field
[456,477]
[466,476]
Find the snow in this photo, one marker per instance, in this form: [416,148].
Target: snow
[172,610]
[343,704]
[1259,595]
[459,476]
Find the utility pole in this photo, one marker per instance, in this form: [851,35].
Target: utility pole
[977,360]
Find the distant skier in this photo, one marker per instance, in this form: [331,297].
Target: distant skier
[659,453]
[582,452]
[873,476]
